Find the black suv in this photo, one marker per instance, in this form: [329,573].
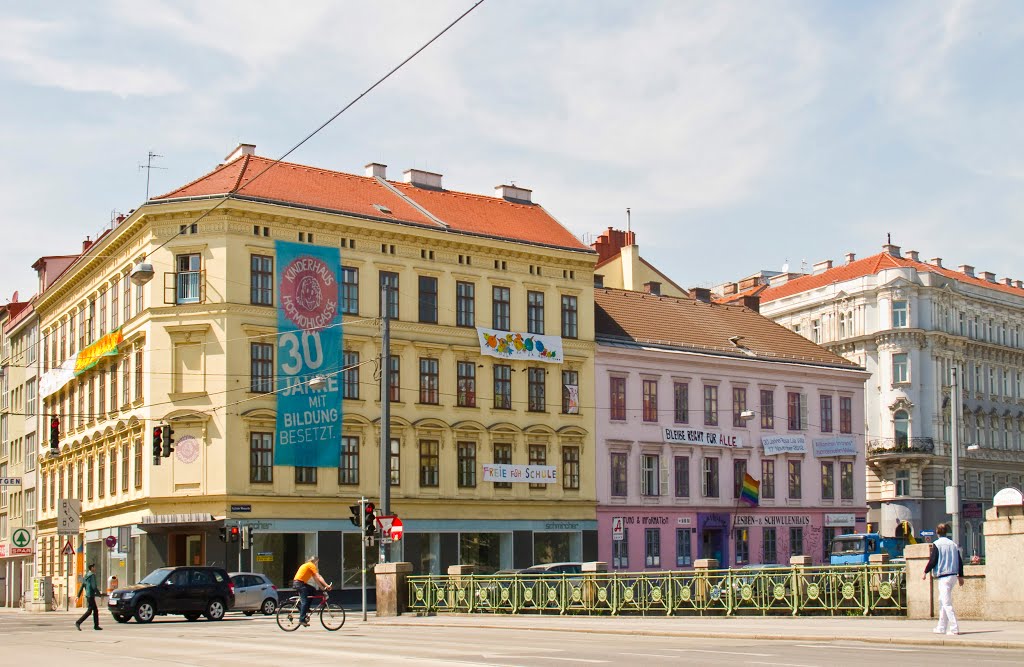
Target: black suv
[190,591]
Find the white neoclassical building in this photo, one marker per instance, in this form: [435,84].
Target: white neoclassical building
[910,323]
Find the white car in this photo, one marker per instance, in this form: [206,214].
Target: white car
[254,592]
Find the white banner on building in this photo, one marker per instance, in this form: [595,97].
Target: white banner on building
[572,395]
[826,447]
[54,380]
[514,345]
[504,472]
[783,444]
[844,520]
[693,436]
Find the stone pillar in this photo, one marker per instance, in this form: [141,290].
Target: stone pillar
[920,593]
[800,583]
[1004,544]
[392,592]
[592,581]
[701,584]
[456,582]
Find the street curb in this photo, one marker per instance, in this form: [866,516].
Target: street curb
[902,641]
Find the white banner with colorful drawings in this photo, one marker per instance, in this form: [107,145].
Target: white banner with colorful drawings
[514,345]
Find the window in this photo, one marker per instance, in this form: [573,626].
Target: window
[389,282]
[428,462]
[795,410]
[845,414]
[710,405]
[81,479]
[304,475]
[816,331]
[538,457]
[465,304]
[768,546]
[620,551]
[428,299]
[102,323]
[571,468]
[395,378]
[101,477]
[467,464]
[536,382]
[112,478]
[501,308]
[138,374]
[126,376]
[709,486]
[617,387]
[261,368]
[649,468]
[503,456]
[350,376]
[681,402]
[570,319]
[796,541]
[261,280]
[828,481]
[739,471]
[261,457]
[188,279]
[127,296]
[682,471]
[899,314]
[794,479]
[349,290]
[570,392]
[902,483]
[900,368]
[535,312]
[83,341]
[428,381]
[683,549]
[466,372]
[30,398]
[826,414]
[619,463]
[138,464]
[650,409]
[742,546]
[502,387]
[124,468]
[91,329]
[395,461]
[652,547]
[115,289]
[901,427]
[739,406]
[348,468]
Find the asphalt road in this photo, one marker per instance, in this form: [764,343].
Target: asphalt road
[50,640]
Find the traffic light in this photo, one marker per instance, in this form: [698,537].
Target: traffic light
[158,436]
[356,517]
[246,537]
[233,533]
[168,440]
[223,534]
[54,433]
[371,525]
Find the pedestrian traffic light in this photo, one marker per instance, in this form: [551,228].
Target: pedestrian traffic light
[233,533]
[158,436]
[223,534]
[371,524]
[168,440]
[54,433]
[246,537]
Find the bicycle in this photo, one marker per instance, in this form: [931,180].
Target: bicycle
[332,614]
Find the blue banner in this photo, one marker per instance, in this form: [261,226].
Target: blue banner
[309,345]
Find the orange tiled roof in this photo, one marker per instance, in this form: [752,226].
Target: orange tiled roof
[703,327]
[872,265]
[357,195]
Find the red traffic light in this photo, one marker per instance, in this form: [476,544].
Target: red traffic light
[233,532]
[369,508]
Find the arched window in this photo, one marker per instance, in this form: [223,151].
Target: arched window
[901,427]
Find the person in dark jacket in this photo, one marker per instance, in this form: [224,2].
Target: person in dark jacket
[91,592]
[947,567]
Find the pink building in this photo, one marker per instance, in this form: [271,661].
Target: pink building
[692,396]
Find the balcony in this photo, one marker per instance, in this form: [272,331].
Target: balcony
[885,447]
[185,287]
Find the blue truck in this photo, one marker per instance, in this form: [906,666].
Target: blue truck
[856,548]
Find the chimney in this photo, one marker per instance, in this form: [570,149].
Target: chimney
[422,179]
[86,244]
[243,149]
[120,218]
[822,267]
[913,255]
[1019,284]
[850,257]
[1008,282]
[936,261]
[701,294]
[376,170]
[989,276]
[514,194]
[747,283]
[653,287]
[753,302]
[609,243]
[729,288]
[966,269]
[893,250]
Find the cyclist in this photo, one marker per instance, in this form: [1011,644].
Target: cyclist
[306,572]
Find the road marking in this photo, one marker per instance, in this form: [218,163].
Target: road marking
[549,657]
[859,648]
[649,655]
[707,650]
[782,664]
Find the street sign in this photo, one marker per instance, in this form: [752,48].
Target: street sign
[110,541]
[10,481]
[69,511]
[390,526]
[618,531]
[22,542]
[241,508]
[396,529]
[68,550]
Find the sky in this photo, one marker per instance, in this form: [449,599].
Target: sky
[742,135]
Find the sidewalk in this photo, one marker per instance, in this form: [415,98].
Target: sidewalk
[878,630]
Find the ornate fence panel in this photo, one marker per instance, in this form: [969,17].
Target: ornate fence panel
[853,589]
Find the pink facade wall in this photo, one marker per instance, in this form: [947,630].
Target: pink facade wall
[713,522]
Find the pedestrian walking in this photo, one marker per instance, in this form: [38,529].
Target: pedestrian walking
[946,566]
[91,592]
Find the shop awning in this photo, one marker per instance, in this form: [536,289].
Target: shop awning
[161,523]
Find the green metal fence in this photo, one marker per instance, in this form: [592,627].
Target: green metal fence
[796,591]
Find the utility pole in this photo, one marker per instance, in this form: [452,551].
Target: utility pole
[362,537]
[385,417]
[953,490]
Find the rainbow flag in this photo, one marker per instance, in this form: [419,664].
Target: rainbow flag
[750,490]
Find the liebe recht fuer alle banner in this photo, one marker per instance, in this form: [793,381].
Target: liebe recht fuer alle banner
[309,344]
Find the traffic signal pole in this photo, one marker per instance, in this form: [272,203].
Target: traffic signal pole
[362,537]
[385,419]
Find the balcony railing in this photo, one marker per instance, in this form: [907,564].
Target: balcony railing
[878,446]
[185,287]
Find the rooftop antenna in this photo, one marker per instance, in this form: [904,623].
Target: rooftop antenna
[888,238]
[149,167]
[627,220]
